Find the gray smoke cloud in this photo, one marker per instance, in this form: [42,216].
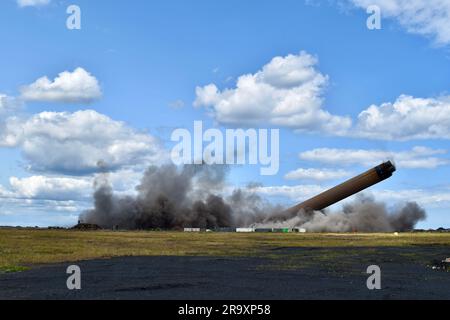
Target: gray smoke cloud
[364,214]
[171,197]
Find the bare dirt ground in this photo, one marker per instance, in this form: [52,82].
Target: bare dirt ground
[279,273]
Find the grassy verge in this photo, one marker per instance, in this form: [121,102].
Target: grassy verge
[23,248]
[12,269]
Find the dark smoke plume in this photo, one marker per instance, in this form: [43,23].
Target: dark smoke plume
[191,196]
[172,198]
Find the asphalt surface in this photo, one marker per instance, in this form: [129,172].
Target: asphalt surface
[286,273]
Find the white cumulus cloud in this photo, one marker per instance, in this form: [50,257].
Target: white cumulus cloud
[296,193]
[32,3]
[55,188]
[436,198]
[67,87]
[430,18]
[8,104]
[79,142]
[288,92]
[65,193]
[407,118]
[416,158]
[317,174]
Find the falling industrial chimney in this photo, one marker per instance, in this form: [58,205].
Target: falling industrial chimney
[342,191]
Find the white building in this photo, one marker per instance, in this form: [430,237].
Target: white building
[245,230]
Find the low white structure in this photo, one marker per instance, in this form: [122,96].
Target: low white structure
[192,230]
[245,230]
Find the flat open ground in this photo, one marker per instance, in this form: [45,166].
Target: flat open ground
[176,265]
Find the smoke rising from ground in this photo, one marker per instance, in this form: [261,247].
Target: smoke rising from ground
[362,215]
[169,197]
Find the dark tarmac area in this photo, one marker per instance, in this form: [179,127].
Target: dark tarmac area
[285,273]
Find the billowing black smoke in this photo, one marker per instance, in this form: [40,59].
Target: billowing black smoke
[172,198]
[169,197]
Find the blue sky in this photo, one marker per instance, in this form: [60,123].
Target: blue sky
[143,57]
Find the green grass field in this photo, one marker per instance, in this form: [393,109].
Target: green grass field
[21,249]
